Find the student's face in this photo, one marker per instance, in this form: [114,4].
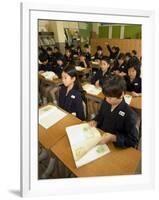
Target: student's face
[60,62]
[49,52]
[132,73]
[99,52]
[104,65]
[120,61]
[68,53]
[86,50]
[67,79]
[113,101]
[82,58]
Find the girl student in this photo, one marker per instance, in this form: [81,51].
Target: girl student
[71,94]
[133,81]
[98,80]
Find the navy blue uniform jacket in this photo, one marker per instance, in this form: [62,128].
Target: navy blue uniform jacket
[133,86]
[72,102]
[58,70]
[120,122]
[100,76]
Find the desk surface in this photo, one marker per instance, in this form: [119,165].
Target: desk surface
[117,162]
[57,81]
[48,137]
[136,102]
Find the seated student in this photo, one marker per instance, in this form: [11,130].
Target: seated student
[133,81]
[56,54]
[87,52]
[99,53]
[115,117]
[51,58]
[78,51]
[134,58]
[113,51]
[82,61]
[71,93]
[68,55]
[100,75]
[58,68]
[121,65]
[43,64]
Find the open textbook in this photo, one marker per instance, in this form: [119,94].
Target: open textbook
[49,115]
[84,141]
[92,89]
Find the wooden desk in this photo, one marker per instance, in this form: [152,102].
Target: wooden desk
[136,102]
[49,137]
[117,162]
[57,81]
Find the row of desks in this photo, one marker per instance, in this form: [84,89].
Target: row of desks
[117,162]
[136,102]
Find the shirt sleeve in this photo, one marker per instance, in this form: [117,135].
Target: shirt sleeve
[129,137]
[80,108]
[100,116]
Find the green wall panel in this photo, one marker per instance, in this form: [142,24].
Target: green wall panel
[132,31]
[116,31]
[103,31]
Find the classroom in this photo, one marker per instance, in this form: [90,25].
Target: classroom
[89,99]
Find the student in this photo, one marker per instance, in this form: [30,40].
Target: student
[68,56]
[82,61]
[113,52]
[103,72]
[133,81]
[56,54]
[51,58]
[121,65]
[115,117]
[71,93]
[59,66]
[43,64]
[134,58]
[99,53]
[87,52]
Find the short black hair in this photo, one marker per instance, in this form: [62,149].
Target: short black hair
[134,52]
[49,49]
[114,86]
[86,46]
[43,57]
[137,69]
[99,48]
[106,59]
[121,56]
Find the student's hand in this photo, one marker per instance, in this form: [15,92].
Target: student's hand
[116,72]
[92,123]
[122,74]
[106,138]
[134,94]
[97,84]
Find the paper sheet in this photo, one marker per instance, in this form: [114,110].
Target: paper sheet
[79,68]
[49,75]
[49,115]
[92,89]
[127,98]
[83,140]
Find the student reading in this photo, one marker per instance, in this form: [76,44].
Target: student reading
[71,93]
[115,117]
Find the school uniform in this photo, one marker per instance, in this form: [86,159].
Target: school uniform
[112,55]
[133,86]
[88,56]
[97,56]
[46,67]
[68,59]
[100,76]
[120,122]
[71,102]
[82,63]
[58,70]
[123,68]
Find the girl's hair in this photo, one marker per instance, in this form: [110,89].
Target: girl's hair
[114,86]
[136,68]
[71,71]
[99,48]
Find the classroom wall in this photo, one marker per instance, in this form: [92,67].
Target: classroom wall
[125,45]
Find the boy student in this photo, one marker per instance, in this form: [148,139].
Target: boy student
[115,117]
[99,53]
[87,52]
[43,63]
[113,52]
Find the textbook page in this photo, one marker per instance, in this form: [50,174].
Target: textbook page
[84,138]
[93,154]
[49,115]
[92,89]
[127,98]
